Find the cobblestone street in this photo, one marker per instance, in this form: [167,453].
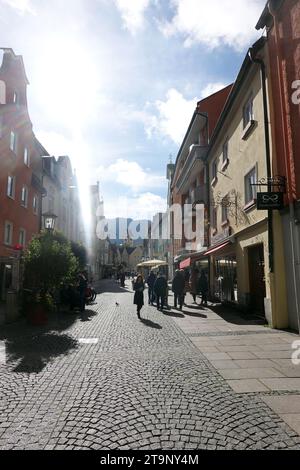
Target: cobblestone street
[138,385]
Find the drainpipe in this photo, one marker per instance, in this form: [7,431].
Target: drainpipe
[292,222]
[261,63]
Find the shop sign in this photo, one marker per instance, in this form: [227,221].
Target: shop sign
[221,237]
[270,201]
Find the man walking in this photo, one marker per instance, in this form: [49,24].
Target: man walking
[203,288]
[160,290]
[151,281]
[178,289]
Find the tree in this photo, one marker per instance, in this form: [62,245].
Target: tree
[48,262]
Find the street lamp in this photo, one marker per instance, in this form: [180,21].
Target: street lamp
[49,221]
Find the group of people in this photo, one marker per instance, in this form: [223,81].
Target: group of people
[195,284]
[76,294]
[158,289]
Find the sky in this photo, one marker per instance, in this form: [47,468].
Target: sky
[114,83]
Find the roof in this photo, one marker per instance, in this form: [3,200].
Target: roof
[266,18]
[40,148]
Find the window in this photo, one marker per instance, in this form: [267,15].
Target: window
[24,196]
[26,156]
[225,209]
[215,169]
[248,112]
[13,142]
[22,237]
[8,233]
[11,183]
[35,205]
[15,98]
[250,190]
[215,218]
[225,152]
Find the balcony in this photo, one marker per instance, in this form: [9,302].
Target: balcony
[199,195]
[196,154]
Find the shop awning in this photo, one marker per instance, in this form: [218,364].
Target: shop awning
[185,264]
[217,248]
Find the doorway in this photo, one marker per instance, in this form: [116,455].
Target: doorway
[257,279]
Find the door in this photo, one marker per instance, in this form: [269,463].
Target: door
[257,278]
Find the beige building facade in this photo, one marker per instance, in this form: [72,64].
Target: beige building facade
[246,267]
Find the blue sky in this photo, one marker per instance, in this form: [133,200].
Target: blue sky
[114,83]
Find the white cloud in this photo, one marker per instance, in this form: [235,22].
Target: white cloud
[173,116]
[55,143]
[215,23]
[130,174]
[212,88]
[22,6]
[141,207]
[133,13]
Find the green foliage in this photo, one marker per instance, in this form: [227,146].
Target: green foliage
[49,261]
[80,253]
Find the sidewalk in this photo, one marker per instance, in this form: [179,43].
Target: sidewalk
[252,358]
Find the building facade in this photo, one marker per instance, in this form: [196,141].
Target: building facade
[281,18]
[243,270]
[188,183]
[62,197]
[20,177]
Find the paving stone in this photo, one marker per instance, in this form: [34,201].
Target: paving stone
[144,385]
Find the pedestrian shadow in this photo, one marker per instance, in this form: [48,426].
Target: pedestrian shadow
[171,313]
[151,324]
[192,314]
[87,315]
[33,353]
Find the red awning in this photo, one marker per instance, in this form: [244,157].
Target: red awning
[217,248]
[185,264]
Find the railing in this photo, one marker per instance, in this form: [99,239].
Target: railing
[199,195]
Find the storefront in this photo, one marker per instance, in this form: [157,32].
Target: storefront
[223,272]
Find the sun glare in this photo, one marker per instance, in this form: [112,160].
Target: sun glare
[69,82]
[67,90]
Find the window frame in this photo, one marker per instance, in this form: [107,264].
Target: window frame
[35,207]
[22,243]
[248,111]
[225,210]
[13,145]
[250,191]
[13,187]
[26,151]
[11,225]
[24,203]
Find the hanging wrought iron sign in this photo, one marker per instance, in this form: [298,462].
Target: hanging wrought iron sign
[270,201]
[274,198]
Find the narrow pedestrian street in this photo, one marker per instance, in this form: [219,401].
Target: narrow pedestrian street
[170,381]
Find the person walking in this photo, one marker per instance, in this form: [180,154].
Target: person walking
[139,287]
[178,289]
[194,284]
[82,286]
[203,288]
[122,278]
[151,281]
[160,290]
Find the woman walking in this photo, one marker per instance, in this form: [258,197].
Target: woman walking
[139,287]
[194,284]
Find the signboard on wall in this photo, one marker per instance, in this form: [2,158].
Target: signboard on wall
[270,201]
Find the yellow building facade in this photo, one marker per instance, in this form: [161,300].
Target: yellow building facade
[240,249]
